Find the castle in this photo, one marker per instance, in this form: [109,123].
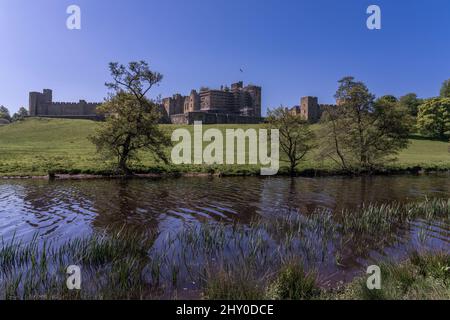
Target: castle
[310,109]
[237,104]
[42,105]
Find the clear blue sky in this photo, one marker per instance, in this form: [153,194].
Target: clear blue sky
[290,48]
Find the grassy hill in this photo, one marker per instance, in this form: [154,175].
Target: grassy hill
[35,146]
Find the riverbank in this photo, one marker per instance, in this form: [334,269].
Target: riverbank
[39,148]
[158,173]
[423,276]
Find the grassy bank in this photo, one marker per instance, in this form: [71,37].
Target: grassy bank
[274,258]
[424,276]
[37,146]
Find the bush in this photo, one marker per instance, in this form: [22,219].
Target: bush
[293,283]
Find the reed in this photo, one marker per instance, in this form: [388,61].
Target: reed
[273,256]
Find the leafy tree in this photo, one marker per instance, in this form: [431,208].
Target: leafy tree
[411,103]
[296,138]
[445,89]
[4,113]
[362,133]
[434,118]
[20,115]
[131,118]
[389,98]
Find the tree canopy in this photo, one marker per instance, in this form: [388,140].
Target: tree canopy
[445,89]
[411,102]
[20,115]
[4,113]
[434,118]
[131,118]
[296,138]
[362,132]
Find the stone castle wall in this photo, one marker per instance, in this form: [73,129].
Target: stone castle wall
[42,105]
[213,118]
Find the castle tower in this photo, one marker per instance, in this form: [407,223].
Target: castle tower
[47,96]
[255,95]
[192,102]
[310,109]
[33,103]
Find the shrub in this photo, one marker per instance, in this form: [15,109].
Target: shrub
[293,283]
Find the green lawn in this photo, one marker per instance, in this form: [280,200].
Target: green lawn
[35,146]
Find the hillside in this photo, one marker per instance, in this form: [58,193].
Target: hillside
[35,146]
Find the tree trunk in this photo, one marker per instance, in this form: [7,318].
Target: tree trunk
[123,167]
[292,169]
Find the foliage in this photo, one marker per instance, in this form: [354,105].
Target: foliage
[131,119]
[361,133]
[293,283]
[411,103]
[20,115]
[4,113]
[130,127]
[434,118]
[445,89]
[296,138]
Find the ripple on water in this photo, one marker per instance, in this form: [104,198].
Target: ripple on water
[64,209]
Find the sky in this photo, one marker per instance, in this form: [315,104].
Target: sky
[291,48]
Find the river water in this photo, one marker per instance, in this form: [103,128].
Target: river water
[61,210]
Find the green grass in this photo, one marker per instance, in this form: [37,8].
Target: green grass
[424,276]
[37,146]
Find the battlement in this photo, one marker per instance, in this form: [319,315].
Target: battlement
[74,103]
[42,105]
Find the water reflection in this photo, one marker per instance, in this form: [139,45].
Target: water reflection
[64,209]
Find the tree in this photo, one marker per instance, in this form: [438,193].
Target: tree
[4,113]
[411,103]
[434,118]
[20,115]
[131,118]
[296,138]
[445,89]
[362,133]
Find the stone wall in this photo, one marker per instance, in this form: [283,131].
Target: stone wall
[42,105]
[213,118]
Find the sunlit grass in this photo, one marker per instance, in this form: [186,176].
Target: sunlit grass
[37,146]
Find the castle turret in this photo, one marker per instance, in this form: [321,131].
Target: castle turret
[33,103]
[47,96]
[310,109]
